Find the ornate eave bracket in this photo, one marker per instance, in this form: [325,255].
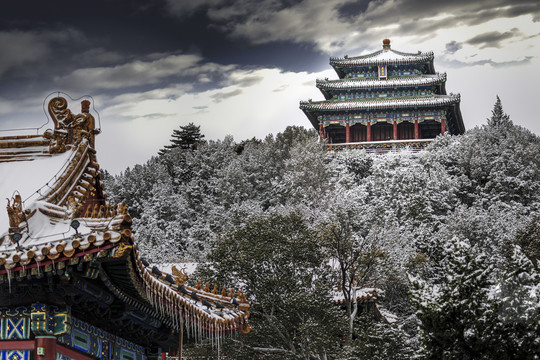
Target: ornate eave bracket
[69,129]
[50,320]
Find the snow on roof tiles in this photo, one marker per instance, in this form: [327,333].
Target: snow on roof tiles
[359,83]
[383,57]
[433,100]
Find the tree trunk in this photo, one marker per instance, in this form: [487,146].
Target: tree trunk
[353,314]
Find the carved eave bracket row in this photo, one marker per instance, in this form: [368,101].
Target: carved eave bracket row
[70,129]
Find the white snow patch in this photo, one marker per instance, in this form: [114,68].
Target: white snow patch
[27,178]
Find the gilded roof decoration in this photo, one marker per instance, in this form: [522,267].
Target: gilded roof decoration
[70,129]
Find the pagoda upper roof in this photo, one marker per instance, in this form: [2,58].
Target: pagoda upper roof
[57,212]
[381,103]
[363,83]
[383,57]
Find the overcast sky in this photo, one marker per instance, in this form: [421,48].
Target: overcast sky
[241,67]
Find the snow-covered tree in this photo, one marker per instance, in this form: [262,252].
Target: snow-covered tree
[518,294]
[457,317]
[188,137]
[498,117]
[279,261]
[380,216]
[528,239]
[376,340]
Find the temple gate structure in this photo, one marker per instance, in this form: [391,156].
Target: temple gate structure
[72,282]
[384,101]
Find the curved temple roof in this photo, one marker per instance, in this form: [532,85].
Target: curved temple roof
[57,213]
[380,104]
[383,57]
[386,56]
[359,83]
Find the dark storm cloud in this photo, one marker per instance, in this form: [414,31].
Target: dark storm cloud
[225,10]
[463,11]
[419,17]
[128,46]
[453,46]
[107,46]
[98,57]
[493,38]
[351,10]
[25,50]
[134,73]
[268,21]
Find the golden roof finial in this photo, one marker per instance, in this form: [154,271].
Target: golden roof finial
[85,106]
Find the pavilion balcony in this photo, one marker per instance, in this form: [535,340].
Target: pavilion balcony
[384,147]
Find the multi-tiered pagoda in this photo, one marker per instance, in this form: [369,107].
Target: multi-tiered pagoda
[385,100]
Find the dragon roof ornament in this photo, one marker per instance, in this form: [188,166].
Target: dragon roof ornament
[70,129]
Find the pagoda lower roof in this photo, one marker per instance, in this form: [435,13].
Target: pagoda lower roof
[376,104]
[383,57]
[359,83]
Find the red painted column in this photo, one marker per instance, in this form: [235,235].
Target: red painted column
[45,348]
[368,131]
[395,130]
[416,132]
[347,133]
[443,126]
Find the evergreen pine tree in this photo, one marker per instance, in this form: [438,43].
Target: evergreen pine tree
[519,308]
[529,241]
[280,261]
[498,117]
[188,137]
[457,316]
[377,340]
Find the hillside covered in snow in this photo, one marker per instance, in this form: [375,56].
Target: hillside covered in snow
[450,236]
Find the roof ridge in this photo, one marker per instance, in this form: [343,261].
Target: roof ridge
[400,77]
[380,103]
[374,60]
[19,137]
[381,99]
[365,82]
